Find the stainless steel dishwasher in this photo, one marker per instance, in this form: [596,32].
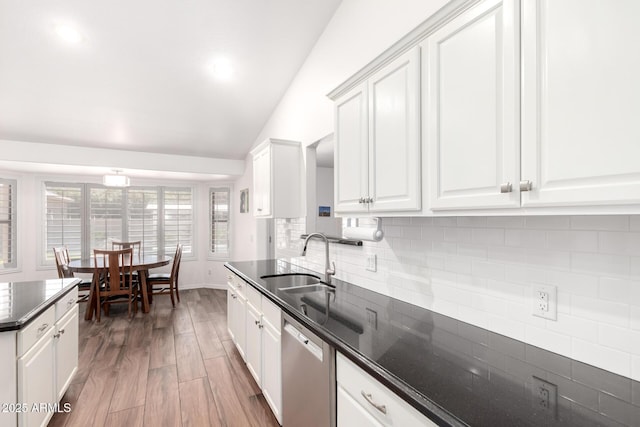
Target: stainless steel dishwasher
[308,377]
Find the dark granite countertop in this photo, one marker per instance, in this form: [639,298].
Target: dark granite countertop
[20,302]
[451,371]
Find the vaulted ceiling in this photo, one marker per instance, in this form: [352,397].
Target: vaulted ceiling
[140,74]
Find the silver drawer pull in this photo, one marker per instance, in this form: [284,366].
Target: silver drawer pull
[506,188]
[61,331]
[257,322]
[43,328]
[233,296]
[56,335]
[70,302]
[526,185]
[369,398]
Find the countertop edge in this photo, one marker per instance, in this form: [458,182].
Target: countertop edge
[407,393]
[37,310]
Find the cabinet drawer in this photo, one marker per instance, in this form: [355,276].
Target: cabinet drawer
[271,313]
[254,297]
[35,330]
[384,405]
[66,303]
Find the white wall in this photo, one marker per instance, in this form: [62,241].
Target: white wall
[331,225]
[244,225]
[359,31]
[194,272]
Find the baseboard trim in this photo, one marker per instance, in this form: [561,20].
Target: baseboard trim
[203,285]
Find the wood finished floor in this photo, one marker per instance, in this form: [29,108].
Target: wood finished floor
[170,367]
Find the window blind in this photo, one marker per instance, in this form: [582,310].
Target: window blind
[8,224]
[219,210]
[178,220]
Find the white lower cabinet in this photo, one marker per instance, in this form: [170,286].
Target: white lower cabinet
[254,324]
[236,313]
[47,360]
[363,401]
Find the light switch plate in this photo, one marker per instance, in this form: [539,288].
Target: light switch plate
[372,262]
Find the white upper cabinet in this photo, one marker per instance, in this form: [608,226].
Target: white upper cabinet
[378,141]
[277,179]
[581,102]
[351,151]
[472,108]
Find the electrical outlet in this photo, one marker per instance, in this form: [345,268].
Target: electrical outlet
[544,301]
[372,262]
[372,318]
[544,396]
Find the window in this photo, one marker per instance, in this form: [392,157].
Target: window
[219,205]
[8,224]
[84,217]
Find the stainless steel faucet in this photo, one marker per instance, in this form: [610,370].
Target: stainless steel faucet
[328,271]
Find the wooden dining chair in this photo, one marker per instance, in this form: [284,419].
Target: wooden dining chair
[62,264]
[115,268]
[136,246]
[163,283]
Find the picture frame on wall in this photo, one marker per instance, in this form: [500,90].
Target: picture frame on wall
[244,200]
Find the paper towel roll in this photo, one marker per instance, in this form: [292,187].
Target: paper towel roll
[363,233]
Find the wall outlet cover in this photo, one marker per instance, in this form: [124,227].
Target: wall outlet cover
[544,396]
[372,262]
[544,301]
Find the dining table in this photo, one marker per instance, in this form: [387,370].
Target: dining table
[141,264]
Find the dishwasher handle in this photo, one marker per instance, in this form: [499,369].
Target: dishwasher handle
[306,343]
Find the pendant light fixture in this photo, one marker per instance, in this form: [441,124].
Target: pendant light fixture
[116,180]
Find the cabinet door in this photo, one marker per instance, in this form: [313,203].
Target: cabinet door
[66,350]
[271,375]
[581,102]
[472,113]
[262,183]
[240,323]
[394,135]
[351,413]
[231,311]
[253,348]
[351,151]
[36,381]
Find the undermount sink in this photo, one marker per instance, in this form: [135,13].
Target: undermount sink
[307,288]
[293,280]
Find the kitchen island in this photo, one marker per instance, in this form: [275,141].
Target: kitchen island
[452,372]
[38,348]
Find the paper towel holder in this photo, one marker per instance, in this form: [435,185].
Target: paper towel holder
[373,234]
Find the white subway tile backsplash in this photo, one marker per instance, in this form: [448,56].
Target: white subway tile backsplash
[553,341]
[619,339]
[577,327]
[547,222]
[601,311]
[489,270]
[600,222]
[601,264]
[525,238]
[618,290]
[619,243]
[579,241]
[612,360]
[487,236]
[481,269]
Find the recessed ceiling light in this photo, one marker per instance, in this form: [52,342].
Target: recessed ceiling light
[69,34]
[222,69]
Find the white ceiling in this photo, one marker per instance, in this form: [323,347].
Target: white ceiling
[139,80]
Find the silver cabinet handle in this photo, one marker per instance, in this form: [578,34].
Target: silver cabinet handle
[260,326]
[43,328]
[526,185]
[259,209]
[257,322]
[369,398]
[70,302]
[506,188]
[56,335]
[61,331]
[369,200]
[233,296]
[361,200]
